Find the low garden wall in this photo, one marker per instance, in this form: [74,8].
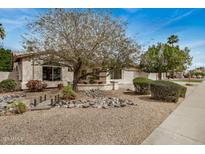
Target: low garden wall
[126,86]
[6,75]
[82,87]
[50,84]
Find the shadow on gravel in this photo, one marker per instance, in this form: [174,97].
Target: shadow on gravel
[129,93]
[150,99]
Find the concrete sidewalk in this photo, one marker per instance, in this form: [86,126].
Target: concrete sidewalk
[186,125]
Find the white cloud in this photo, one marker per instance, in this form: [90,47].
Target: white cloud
[194,44]
[11,24]
[11,21]
[175,17]
[197,44]
[179,17]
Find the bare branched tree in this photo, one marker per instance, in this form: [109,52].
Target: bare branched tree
[82,39]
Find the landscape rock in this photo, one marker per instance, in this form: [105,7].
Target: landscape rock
[105,107]
[71,105]
[86,105]
[100,102]
[94,93]
[65,106]
[130,103]
[122,105]
[63,102]
[91,102]
[116,105]
[78,105]
[8,99]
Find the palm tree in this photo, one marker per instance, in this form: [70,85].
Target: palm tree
[172,39]
[2,32]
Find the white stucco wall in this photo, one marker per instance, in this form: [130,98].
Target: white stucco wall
[4,75]
[152,76]
[129,74]
[10,75]
[27,70]
[127,78]
[30,72]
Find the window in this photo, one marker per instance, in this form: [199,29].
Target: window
[83,72]
[51,73]
[96,74]
[56,73]
[116,74]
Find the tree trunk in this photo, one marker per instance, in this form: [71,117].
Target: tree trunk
[160,76]
[75,80]
[172,74]
[76,74]
[166,76]
[189,76]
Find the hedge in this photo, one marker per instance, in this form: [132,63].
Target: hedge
[142,85]
[7,85]
[182,91]
[198,74]
[167,91]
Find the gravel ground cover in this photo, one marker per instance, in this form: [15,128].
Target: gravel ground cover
[127,125]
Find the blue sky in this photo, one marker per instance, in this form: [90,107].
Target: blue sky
[148,26]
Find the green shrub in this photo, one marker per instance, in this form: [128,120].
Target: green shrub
[142,85]
[182,91]
[68,92]
[198,74]
[189,84]
[167,91]
[36,85]
[18,107]
[7,85]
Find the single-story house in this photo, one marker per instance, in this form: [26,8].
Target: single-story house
[26,68]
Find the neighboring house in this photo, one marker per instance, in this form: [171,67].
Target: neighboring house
[113,80]
[199,69]
[26,69]
[179,75]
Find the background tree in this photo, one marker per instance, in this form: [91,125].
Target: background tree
[166,58]
[178,59]
[5,60]
[172,40]
[5,55]
[82,39]
[2,32]
[200,69]
[154,61]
